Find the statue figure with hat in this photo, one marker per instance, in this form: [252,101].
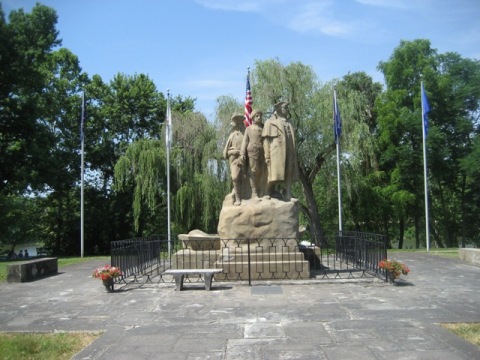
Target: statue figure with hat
[232,153]
[280,153]
[252,149]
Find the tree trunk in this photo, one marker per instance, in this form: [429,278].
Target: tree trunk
[311,210]
[417,232]
[401,232]
[463,210]
[386,223]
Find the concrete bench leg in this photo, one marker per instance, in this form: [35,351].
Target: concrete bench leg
[208,281]
[178,282]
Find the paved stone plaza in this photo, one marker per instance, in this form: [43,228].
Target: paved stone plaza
[314,319]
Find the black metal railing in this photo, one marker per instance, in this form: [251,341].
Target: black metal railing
[355,251]
[348,254]
[140,257]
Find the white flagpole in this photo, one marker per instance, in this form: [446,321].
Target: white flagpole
[340,221]
[168,138]
[427,215]
[82,170]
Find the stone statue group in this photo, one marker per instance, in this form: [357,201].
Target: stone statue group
[262,156]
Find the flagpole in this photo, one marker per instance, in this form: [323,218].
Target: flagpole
[427,215]
[168,138]
[337,138]
[82,170]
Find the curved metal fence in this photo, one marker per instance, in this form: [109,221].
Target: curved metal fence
[346,255]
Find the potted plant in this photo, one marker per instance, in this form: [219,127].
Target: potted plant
[393,268]
[107,274]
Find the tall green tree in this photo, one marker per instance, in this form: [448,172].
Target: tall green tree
[452,87]
[27,43]
[60,114]
[38,120]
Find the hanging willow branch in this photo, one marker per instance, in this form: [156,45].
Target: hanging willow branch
[143,169]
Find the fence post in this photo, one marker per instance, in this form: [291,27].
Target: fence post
[249,265]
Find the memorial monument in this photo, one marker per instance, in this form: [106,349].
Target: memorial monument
[257,220]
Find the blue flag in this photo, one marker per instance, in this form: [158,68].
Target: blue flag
[425,110]
[337,120]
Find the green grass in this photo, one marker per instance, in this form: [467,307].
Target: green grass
[34,346]
[62,262]
[467,331]
[451,253]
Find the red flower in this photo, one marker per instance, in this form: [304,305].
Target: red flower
[394,266]
[107,272]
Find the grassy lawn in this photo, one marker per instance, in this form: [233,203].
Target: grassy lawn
[468,331]
[34,346]
[62,262]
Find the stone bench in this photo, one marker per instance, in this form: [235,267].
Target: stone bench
[22,271]
[179,274]
[470,256]
[42,251]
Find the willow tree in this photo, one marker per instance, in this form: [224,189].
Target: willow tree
[199,173]
[197,178]
[311,115]
[141,170]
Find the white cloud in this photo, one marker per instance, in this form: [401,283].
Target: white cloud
[231,5]
[318,17]
[301,16]
[384,3]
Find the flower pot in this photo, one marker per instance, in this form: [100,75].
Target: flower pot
[108,283]
[392,275]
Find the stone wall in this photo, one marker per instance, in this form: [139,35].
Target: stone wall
[29,270]
[470,256]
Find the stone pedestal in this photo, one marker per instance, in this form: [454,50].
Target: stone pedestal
[262,232]
[263,265]
[194,259]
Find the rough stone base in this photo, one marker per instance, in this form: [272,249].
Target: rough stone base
[199,240]
[259,218]
[32,269]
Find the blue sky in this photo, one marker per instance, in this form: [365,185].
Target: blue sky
[202,48]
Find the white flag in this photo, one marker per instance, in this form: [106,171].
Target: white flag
[168,132]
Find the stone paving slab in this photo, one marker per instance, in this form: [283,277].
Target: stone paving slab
[270,320]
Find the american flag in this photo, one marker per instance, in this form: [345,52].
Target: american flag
[248,103]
